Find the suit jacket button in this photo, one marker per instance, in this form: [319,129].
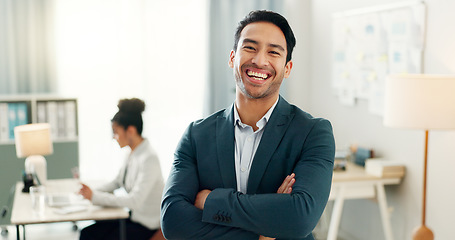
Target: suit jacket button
[216,217]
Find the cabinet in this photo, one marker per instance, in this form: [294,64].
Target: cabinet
[61,113]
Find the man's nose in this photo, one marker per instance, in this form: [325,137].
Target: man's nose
[260,59]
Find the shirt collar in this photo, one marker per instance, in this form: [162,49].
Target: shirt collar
[140,148]
[265,118]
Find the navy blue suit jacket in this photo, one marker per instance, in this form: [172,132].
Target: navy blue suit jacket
[293,142]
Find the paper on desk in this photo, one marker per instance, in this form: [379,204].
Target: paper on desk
[70,209]
[65,199]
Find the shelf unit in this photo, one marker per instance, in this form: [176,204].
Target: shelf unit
[60,112]
[66,146]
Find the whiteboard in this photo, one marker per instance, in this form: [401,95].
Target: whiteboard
[370,43]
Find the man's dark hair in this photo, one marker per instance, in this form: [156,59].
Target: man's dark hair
[272,17]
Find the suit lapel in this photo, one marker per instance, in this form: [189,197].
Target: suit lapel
[273,133]
[225,148]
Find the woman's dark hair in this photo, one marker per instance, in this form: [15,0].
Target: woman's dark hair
[130,113]
[272,17]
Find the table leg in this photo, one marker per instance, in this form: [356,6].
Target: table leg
[384,211]
[18,232]
[122,229]
[336,214]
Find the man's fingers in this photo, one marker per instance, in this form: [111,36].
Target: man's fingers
[289,190]
[291,183]
[289,187]
[282,187]
[286,186]
[265,238]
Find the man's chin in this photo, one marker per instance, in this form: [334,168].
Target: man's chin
[254,95]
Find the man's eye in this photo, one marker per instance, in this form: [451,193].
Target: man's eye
[249,47]
[274,53]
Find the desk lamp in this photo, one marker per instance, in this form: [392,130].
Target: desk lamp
[420,101]
[33,141]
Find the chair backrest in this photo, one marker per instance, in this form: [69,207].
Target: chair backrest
[158,235]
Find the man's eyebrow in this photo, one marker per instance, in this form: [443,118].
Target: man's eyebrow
[249,40]
[277,46]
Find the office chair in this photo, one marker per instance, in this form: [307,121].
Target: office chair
[158,235]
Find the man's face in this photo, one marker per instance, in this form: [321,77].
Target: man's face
[259,62]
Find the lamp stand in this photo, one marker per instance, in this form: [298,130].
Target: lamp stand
[423,232]
[37,164]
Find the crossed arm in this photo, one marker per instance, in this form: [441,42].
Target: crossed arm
[286,187]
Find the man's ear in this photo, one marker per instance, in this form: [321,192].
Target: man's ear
[231,59]
[287,69]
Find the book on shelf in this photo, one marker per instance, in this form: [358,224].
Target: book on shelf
[12,115]
[52,118]
[384,168]
[41,112]
[61,120]
[17,115]
[4,128]
[70,117]
[21,114]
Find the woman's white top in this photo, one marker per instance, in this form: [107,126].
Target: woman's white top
[143,183]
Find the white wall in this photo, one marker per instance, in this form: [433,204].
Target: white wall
[112,49]
[298,14]
[361,219]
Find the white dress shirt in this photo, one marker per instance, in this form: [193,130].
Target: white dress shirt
[143,183]
[246,143]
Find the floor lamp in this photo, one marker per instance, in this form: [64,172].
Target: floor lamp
[425,102]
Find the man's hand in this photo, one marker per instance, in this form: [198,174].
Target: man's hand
[200,198]
[265,238]
[286,186]
[86,192]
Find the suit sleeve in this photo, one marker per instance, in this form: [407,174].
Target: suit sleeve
[283,215]
[180,219]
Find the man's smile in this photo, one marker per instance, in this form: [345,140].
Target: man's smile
[258,75]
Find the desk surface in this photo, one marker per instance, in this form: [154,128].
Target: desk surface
[355,173]
[22,212]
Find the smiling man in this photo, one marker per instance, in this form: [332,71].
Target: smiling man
[260,169]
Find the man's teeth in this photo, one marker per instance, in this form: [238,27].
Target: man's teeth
[256,74]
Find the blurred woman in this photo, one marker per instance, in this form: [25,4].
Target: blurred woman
[140,176]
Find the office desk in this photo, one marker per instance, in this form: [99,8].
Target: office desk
[355,183]
[22,212]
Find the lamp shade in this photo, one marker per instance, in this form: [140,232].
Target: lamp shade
[420,101]
[33,139]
